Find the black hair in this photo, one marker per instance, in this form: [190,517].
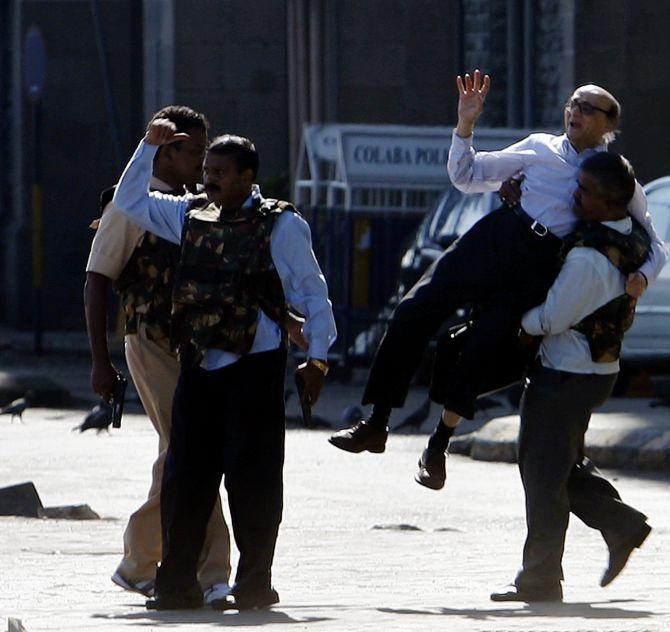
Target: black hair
[615,177]
[184,118]
[241,149]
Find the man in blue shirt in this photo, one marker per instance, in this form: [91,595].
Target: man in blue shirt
[243,259]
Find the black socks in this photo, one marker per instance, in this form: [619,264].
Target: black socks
[439,440]
[379,418]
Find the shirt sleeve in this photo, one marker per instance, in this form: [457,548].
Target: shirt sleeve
[115,240]
[159,213]
[580,288]
[471,171]
[658,256]
[303,282]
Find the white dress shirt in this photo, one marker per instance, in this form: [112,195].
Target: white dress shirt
[290,248]
[587,281]
[549,164]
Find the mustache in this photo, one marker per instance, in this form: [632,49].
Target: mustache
[212,187]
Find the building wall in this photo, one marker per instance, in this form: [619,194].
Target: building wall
[230,62]
[624,46]
[396,61]
[78,157]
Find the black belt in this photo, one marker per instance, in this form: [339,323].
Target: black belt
[536,228]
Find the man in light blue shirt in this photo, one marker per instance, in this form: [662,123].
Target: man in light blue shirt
[243,259]
[582,321]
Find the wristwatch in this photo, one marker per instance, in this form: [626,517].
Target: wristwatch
[319,364]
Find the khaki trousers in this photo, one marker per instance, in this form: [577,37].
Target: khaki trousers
[155,372]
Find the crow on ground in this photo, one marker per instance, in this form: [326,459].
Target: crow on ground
[99,417]
[16,408]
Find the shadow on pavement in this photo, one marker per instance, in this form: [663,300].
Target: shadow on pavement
[207,615]
[602,610]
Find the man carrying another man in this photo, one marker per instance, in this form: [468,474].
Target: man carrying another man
[583,321]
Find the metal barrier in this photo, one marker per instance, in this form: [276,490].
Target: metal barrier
[359,252]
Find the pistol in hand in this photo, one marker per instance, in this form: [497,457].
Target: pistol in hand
[118,397]
[305,406]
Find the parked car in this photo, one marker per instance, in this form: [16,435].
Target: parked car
[647,344]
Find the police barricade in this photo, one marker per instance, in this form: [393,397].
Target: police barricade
[359,253]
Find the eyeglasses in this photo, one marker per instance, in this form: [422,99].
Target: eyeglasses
[586,108]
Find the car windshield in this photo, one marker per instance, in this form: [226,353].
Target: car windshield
[432,227]
[467,212]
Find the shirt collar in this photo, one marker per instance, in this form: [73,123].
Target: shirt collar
[624,225]
[254,197]
[570,152]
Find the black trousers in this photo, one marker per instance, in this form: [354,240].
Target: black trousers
[499,266]
[557,477]
[229,423]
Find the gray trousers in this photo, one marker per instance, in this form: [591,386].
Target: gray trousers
[557,477]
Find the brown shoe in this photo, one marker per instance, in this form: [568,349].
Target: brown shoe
[620,552]
[360,437]
[432,469]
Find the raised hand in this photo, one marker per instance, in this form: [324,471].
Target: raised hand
[472,93]
[162,131]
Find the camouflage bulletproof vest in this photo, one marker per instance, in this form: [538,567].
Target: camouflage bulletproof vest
[604,329]
[225,275]
[145,285]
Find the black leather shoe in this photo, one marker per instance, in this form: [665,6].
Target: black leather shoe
[432,469]
[620,552]
[513,593]
[247,602]
[187,600]
[360,437]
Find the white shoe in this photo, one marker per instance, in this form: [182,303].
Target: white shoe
[216,591]
[145,587]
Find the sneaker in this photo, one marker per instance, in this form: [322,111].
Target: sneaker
[360,437]
[216,591]
[145,587]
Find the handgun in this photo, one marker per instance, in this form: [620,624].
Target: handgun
[118,397]
[305,406]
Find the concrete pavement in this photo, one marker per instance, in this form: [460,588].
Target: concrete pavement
[362,547]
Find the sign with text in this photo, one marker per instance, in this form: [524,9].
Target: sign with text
[415,158]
